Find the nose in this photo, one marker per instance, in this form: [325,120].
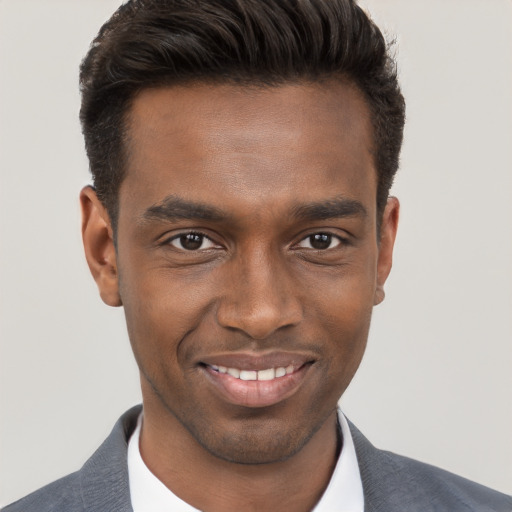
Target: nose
[260,298]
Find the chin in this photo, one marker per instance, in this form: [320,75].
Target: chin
[255,449]
[254,444]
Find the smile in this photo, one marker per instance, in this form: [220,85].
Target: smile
[256,381]
[268,374]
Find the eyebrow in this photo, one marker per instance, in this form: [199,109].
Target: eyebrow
[174,208]
[338,207]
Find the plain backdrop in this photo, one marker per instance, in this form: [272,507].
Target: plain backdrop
[436,380]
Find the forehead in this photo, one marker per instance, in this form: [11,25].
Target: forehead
[291,140]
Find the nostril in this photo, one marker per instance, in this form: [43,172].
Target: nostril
[259,320]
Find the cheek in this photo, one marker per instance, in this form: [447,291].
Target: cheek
[343,296]
[342,311]
[160,310]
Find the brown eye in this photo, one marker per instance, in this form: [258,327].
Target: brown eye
[320,241]
[192,242]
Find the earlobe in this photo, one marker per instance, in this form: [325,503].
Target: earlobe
[98,239]
[388,231]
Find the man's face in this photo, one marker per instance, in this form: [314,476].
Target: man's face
[247,249]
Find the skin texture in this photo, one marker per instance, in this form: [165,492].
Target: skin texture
[266,169]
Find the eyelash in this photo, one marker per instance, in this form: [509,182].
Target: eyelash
[190,233]
[342,241]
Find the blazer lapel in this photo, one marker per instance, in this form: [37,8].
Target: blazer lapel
[104,477]
[384,484]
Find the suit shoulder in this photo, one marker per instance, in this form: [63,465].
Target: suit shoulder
[395,482]
[439,483]
[63,495]
[101,484]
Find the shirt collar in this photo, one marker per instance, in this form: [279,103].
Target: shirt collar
[343,494]
[345,490]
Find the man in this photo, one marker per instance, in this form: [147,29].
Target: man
[242,156]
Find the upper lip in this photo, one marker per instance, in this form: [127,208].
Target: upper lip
[258,361]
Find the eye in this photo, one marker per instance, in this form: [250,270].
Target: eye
[320,241]
[191,242]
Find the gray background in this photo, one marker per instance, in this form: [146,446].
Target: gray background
[436,380]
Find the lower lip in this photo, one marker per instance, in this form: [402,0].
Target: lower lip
[256,393]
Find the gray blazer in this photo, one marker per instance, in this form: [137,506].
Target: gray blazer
[390,482]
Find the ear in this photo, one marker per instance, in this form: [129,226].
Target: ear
[388,230]
[100,252]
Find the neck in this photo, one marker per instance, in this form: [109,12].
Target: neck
[209,483]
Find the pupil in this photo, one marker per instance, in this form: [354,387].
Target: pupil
[191,241]
[320,241]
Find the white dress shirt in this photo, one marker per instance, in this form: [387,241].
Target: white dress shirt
[343,494]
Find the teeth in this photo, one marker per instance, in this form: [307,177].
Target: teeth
[248,375]
[280,372]
[234,372]
[268,374]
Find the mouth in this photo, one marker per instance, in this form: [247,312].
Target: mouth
[256,382]
[266,375]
